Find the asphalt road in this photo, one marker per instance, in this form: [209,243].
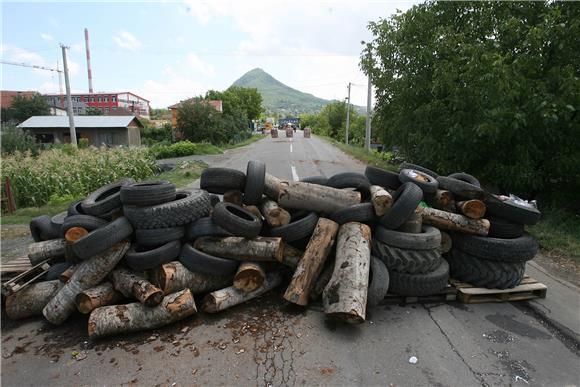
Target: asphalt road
[268,343]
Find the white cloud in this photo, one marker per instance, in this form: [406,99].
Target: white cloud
[77,47]
[73,67]
[200,66]
[127,41]
[46,37]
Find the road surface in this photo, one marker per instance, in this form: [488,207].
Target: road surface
[268,343]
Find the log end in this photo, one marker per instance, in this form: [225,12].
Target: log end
[346,317]
[209,304]
[154,298]
[84,304]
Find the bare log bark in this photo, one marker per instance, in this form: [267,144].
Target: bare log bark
[31,300]
[314,197]
[73,234]
[274,214]
[291,256]
[322,281]
[173,276]
[446,243]
[312,262]
[272,186]
[234,197]
[381,199]
[455,222]
[41,251]
[91,299]
[228,297]
[474,209]
[115,319]
[135,285]
[89,274]
[254,210]
[345,296]
[257,249]
[414,224]
[66,275]
[443,200]
[249,277]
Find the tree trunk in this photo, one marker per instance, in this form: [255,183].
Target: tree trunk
[116,319]
[228,297]
[474,209]
[73,234]
[312,262]
[345,296]
[135,285]
[41,251]
[254,210]
[173,276]
[314,197]
[89,274]
[446,243]
[234,197]
[274,214]
[381,199]
[31,300]
[291,256]
[91,299]
[240,248]
[414,224]
[443,200]
[272,186]
[66,275]
[455,222]
[321,282]
[250,276]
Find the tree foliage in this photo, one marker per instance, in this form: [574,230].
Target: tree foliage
[239,99]
[492,88]
[23,107]
[331,122]
[93,111]
[16,139]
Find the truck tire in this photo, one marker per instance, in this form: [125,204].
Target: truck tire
[420,284]
[378,282]
[502,228]
[406,261]
[521,249]
[428,239]
[485,273]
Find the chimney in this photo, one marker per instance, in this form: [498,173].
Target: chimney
[90,73]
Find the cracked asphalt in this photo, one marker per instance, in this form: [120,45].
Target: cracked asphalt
[266,342]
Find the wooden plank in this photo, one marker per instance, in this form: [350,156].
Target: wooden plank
[446,295]
[16,265]
[528,289]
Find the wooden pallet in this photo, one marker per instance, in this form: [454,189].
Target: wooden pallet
[446,295]
[528,289]
[17,265]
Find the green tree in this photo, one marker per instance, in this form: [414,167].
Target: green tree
[93,111]
[16,139]
[492,88]
[235,99]
[200,122]
[23,108]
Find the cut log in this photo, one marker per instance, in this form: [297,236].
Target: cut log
[381,199]
[314,197]
[41,251]
[474,209]
[443,200]
[91,299]
[249,277]
[73,234]
[135,285]
[31,300]
[66,275]
[228,297]
[234,197]
[345,296]
[446,243]
[240,248]
[312,262]
[321,282]
[116,319]
[254,210]
[272,186]
[291,256]
[173,276]
[414,224]
[274,214]
[89,274]
[455,222]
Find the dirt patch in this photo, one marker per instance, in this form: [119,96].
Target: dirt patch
[560,265]
[14,231]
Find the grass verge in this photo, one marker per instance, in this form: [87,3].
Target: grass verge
[359,153]
[254,138]
[559,233]
[184,173]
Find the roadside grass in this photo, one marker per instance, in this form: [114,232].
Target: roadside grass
[254,138]
[184,173]
[359,153]
[558,232]
[25,215]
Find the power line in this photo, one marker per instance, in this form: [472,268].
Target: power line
[30,65]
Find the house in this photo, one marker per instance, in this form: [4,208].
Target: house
[7,95]
[57,111]
[109,103]
[216,104]
[99,130]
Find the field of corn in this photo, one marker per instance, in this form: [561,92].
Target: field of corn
[73,173]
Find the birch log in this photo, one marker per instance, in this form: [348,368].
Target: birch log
[66,275]
[89,274]
[41,251]
[116,319]
[443,200]
[381,199]
[135,285]
[234,197]
[254,210]
[271,186]
[249,277]
[93,298]
[314,197]
[173,276]
[228,297]
[31,300]
[240,248]
[455,222]
[312,262]
[474,209]
[291,256]
[345,296]
[274,214]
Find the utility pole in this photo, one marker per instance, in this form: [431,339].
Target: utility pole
[71,120]
[347,114]
[368,122]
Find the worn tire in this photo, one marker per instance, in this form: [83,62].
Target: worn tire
[502,228]
[204,227]
[105,199]
[358,181]
[420,284]
[214,199]
[57,220]
[88,222]
[519,249]
[406,261]
[221,180]
[382,177]
[56,270]
[254,187]
[41,229]
[460,188]
[296,230]
[187,207]
[378,282]
[147,193]
[319,180]
[362,212]
[418,168]
[466,178]
[236,220]
[159,236]
[75,208]
[427,183]
[200,262]
[405,201]
[102,238]
[141,259]
[428,239]
[511,211]
[485,273]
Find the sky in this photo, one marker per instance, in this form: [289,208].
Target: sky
[167,51]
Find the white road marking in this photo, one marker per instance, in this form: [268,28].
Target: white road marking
[294,174]
[291,148]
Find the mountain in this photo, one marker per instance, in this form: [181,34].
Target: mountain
[279,98]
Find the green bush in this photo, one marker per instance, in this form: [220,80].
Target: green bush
[72,173]
[15,139]
[151,135]
[183,148]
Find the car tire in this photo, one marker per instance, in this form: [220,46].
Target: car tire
[56,270]
[319,180]
[510,210]
[418,168]
[145,259]
[363,213]
[427,183]
[420,284]
[296,230]
[105,199]
[102,238]
[466,178]
[87,222]
[159,236]
[382,177]
[405,201]
[502,228]
[221,180]
[204,227]
[358,181]
[75,208]
[41,229]
[200,262]
[405,260]
[254,187]
[460,188]
[521,249]
[378,282]
[147,193]
[236,220]
[428,239]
